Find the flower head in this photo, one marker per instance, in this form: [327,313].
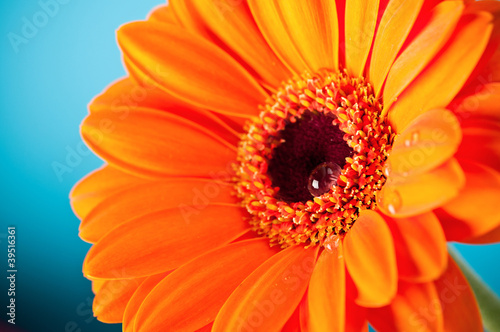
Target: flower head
[294,165]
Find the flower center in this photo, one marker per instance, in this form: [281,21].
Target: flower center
[310,158]
[313,159]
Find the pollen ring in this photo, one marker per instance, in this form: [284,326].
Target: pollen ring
[351,105]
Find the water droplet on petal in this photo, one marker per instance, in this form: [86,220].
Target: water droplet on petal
[332,243]
[387,169]
[391,200]
[412,139]
[322,178]
[415,137]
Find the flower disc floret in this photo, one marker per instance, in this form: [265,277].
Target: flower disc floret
[352,106]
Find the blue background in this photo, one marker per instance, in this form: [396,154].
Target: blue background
[44,90]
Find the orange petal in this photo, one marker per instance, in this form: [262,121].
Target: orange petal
[162,241]
[480,73]
[446,74]
[492,236]
[360,22]
[420,245]
[190,19]
[484,103]
[326,294]
[112,298]
[247,236]
[430,140]
[136,300]
[475,211]
[481,142]
[412,195]
[97,186]
[188,70]
[304,321]
[268,16]
[152,197]
[235,26]
[416,307]
[431,38]
[97,285]
[317,36]
[156,144]
[185,300]
[293,323]
[355,315]
[396,24]
[269,296]
[164,14]
[460,310]
[493,68]
[371,260]
[354,321]
[125,95]
[206,328]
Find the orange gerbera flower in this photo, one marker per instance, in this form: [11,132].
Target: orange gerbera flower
[295,165]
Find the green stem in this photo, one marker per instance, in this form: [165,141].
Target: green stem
[489,302]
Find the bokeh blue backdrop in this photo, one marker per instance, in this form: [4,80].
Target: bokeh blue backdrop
[47,80]
[48,76]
